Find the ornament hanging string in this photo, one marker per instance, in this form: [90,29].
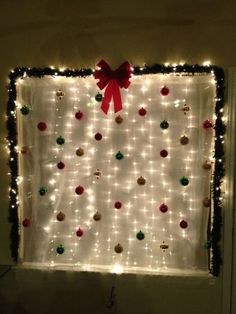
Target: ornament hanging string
[113,81]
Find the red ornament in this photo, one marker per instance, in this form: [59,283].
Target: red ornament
[164,153]
[98,136]
[165,91]
[79,190]
[207,124]
[42,126]
[183,224]
[113,81]
[142,112]
[79,232]
[61,165]
[79,115]
[118,205]
[163,208]
[26,222]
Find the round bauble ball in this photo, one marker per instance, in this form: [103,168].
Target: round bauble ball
[118,248]
[184,140]
[165,91]
[79,232]
[79,190]
[79,152]
[61,216]
[42,126]
[98,136]
[119,119]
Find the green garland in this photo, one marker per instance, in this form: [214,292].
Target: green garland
[215,235]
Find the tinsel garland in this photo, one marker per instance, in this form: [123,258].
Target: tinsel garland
[188,70]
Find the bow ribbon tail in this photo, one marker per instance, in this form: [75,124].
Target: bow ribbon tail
[107,97]
[116,97]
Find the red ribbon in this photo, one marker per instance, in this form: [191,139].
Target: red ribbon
[113,81]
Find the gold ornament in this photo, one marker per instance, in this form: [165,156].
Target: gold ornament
[61,216]
[185,109]
[118,248]
[79,152]
[119,119]
[60,94]
[164,246]
[206,202]
[97,216]
[206,165]
[184,140]
[24,150]
[141,181]
[97,173]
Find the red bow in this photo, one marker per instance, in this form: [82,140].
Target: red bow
[114,80]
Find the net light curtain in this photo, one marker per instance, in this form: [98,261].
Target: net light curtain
[128,191]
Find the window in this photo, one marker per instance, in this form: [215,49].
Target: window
[134,191]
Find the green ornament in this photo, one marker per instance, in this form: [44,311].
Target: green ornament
[140,235]
[43,190]
[24,110]
[60,140]
[119,155]
[207,245]
[184,181]
[98,97]
[60,249]
[164,125]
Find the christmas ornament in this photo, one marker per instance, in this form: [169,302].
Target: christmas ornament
[98,136]
[141,181]
[184,140]
[207,124]
[26,222]
[164,125]
[165,91]
[163,153]
[184,181]
[60,94]
[61,216]
[79,152]
[206,202]
[24,110]
[24,150]
[119,119]
[163,208]
[79,232]
[60,249]
[113,81]
[185,109]
[97,216]
[183,224]
[206,165]
[164,246]
[61,165]
[119,155]
[142,112]
[207,245]
[98,97]
[79,115]
[43,190]
[60,140]
[140,235]
[118,205]
[42,126]
[97,173]
[118,248]
[79,190]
